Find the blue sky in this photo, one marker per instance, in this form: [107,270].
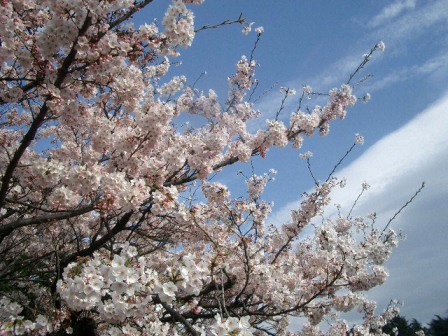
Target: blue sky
[405,124]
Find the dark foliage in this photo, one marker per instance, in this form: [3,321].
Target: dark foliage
[437,327]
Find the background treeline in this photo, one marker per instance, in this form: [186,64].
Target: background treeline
[437,327]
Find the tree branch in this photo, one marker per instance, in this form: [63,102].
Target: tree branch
[8,228]
[120,226]
[40,118]
[178,317]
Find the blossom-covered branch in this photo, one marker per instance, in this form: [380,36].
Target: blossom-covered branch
[109,218]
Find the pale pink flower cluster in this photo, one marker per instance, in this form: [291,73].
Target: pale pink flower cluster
[232,326]
[359,139]
[216,193]
[129,283]
[381,46]
[179,24]
[256,184]
[247,28]
[310,207]
[340,100]
[173,86]
[241,81]
[307,155]
[58,34]
[287,91]
[14,324]
[302,122]
[366,98]
[276,134]
[259,30]
[319,118]
[307,89]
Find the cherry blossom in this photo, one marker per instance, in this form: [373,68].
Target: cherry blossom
[110,218]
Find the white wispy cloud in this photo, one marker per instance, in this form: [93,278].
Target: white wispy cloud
[404,26]
[395,166]
[399,24]
[434,66]
[392,11]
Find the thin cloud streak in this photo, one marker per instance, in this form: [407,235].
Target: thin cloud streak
[391,11]
[410,25]
[403,27]
[431,67]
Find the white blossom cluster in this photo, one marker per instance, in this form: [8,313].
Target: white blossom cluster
[14,324]
[130,283]
[173,86]
[179,24]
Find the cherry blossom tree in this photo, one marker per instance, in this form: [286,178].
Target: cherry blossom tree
[109,221]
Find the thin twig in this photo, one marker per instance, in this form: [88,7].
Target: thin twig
[308,162]
[366,60]
[340,161]
[282,105]
[203,73]
[355,202]
[240,20]
[404,206]
[254,48]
